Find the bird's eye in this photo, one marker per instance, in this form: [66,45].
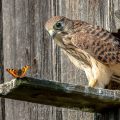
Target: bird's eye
[59,26]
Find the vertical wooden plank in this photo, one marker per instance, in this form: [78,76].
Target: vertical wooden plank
[1,44]
[2,109]
[2,100]
[26,42]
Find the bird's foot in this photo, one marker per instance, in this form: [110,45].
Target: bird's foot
[92,83]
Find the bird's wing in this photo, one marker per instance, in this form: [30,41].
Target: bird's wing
[99,43]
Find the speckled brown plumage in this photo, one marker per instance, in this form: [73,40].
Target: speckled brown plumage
[100,43]
[88,47]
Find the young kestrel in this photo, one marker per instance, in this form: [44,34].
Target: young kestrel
[90,48]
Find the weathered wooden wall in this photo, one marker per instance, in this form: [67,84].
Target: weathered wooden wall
[25,41]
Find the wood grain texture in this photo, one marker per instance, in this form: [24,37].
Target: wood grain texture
[1,44]
[26,42]
[2,100]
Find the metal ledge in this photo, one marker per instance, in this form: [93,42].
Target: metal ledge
[61,94]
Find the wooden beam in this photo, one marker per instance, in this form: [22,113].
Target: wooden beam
[60,94]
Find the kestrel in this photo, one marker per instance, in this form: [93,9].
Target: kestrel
[90,48]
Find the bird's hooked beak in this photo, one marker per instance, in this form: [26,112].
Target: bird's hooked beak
[52,33]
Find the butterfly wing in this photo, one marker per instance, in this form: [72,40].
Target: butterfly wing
[18,73]
[13,72]
[24,70]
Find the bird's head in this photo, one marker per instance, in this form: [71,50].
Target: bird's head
[58,26]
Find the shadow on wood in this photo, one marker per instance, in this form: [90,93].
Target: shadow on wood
[60,94]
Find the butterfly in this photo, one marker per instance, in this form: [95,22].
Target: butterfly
[20,73]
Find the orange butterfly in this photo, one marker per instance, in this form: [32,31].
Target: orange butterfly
[18,73]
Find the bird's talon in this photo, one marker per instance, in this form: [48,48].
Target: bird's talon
[92,83]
